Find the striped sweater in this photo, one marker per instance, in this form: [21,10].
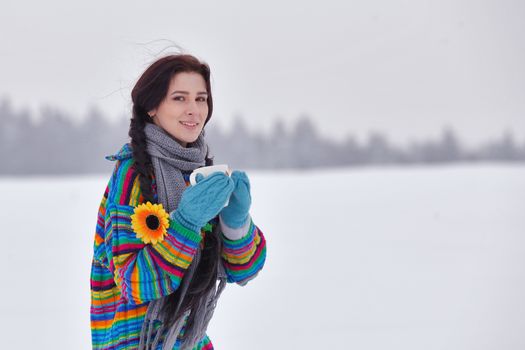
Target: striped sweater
[127,274]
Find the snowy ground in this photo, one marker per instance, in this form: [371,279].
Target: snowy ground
[369,258]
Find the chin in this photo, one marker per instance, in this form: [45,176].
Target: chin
[191,139]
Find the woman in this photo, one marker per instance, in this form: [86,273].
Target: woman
[160,243]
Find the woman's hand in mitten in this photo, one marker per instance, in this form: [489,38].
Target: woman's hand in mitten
[235,214]
[203,201]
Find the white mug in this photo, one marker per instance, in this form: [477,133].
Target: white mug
[208,170]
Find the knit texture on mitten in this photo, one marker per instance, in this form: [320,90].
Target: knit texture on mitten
[203,201]
[235,214]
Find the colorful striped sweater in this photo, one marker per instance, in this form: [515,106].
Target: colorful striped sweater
[127,274]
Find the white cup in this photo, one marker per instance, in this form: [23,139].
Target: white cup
[208,170]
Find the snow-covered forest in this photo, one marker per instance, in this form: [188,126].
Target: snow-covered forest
[53,143]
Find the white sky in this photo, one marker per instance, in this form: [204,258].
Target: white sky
[405,67]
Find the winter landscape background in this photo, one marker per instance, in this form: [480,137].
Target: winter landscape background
[384,140]
[370,245]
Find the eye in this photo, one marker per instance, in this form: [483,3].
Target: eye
[201,99]
[178,98]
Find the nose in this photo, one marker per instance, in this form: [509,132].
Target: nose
[192,108]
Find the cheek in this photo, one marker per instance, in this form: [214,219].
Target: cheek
[204,110]
[176,108]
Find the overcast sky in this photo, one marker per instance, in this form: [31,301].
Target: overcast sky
[403,67]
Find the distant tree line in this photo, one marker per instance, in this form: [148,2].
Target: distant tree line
[55,144]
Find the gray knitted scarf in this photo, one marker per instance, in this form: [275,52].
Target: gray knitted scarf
[169,158]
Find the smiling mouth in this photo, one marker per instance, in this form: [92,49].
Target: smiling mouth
[188,124]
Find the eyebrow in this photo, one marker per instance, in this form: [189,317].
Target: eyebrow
[187,93]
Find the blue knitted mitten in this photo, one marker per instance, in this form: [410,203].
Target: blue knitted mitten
[203,201]
[235,214]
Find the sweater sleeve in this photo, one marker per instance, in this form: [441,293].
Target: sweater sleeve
[243,257]
[142,272]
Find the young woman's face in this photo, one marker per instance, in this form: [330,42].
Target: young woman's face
[183,111]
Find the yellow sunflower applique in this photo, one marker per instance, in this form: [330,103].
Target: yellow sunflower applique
[150,222]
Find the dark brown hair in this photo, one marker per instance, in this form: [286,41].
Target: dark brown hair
[148,92]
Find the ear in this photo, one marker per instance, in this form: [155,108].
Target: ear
[152,113]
